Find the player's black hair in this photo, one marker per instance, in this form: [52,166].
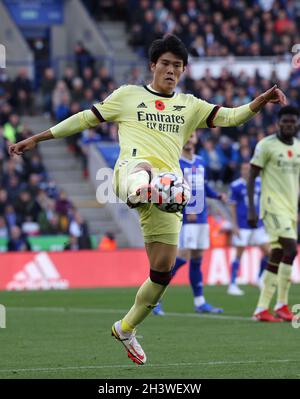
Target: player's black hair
[169,43]
[288,110]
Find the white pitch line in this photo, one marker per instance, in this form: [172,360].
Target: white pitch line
[118,311]
[115,366]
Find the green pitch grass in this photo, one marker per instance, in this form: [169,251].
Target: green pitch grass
[66,334]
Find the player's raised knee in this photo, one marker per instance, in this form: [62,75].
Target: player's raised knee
[162,278]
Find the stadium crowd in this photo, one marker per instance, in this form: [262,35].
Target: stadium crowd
[30,202]
[209,28]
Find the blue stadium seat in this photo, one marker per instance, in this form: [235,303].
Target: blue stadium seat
[110,152]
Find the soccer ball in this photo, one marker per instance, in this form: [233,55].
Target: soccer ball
[171,192]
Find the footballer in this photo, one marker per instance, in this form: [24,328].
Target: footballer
[154,122]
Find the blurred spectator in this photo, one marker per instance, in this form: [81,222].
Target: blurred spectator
[13,186]
[83,58]
[10,215]
[3,228]
[3,200]
[22,98]
[78,228]
[25,205]
[88,99]
[68,77]
[48,83]
[108,242]
[105,78]
[89,136]
[214,161]
[17,241]
[35,166]
[5,86]
[30,227]
[77,90]
[3,151]
[60,94]
[62,110]
[12,128]
[48,219]
[5,112]
[229,159]
[64,207]
[33,184]
[87,76]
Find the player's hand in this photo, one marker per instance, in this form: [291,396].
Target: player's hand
[252,218]
[223,197]
[22,146]
[275,96]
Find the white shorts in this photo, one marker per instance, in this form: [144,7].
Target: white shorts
[250,237]
[194,236]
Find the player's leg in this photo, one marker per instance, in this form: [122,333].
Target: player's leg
[131,182]
[183,255]
[161,257]
[161,232]
[197,245]
[186,238]
[196,277]
[265,249]
[260,238]
[196,281]
[269,286]
[139,189]
[289,252]
[283,235]
[233,288]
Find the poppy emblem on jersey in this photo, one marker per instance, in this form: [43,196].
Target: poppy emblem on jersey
[290,153]
[159,105]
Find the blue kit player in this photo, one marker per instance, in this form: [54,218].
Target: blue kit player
[243,234]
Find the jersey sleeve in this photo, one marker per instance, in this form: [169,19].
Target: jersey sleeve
[209,192]
[261,154]
[204,111]
[211,115]
[110,110]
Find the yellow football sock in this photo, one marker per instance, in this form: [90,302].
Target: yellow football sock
[268,290]
[284,283]
[146,299]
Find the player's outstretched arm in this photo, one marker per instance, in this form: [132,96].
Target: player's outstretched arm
[225,117]
[273,95]
[29,143]
[252,217]
[74,124]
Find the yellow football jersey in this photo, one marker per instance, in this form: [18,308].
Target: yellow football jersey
[280,172]
[153,126]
